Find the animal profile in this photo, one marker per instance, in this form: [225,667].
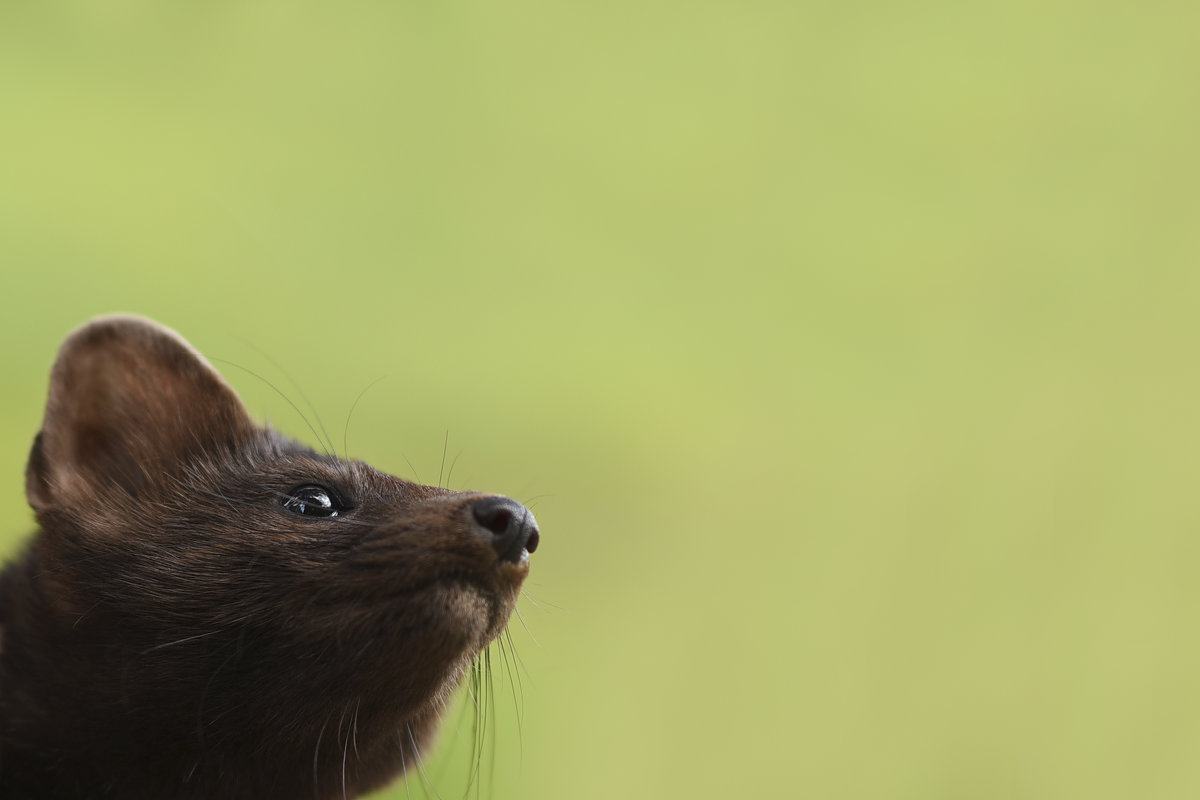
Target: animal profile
[209,609]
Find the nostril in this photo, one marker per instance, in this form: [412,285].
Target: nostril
[511,525]
[495,513]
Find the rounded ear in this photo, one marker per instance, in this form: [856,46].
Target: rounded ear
[129,400]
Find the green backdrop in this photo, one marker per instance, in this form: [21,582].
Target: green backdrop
[846,351]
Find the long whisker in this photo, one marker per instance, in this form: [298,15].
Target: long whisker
[416,475]
[487,659]
[420,768]
[351,732]
[316,759]
[532,501]
[538,603]
[474,689]
[521,619]
[403,765]
[295,386]
[508,649]
[287,399]
[520,663]
[450,474]
[354,405]
[445,445]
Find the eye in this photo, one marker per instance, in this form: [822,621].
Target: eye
[313,501]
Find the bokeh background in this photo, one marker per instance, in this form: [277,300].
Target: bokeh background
[846,351]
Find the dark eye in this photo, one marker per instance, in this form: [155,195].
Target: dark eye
[313,501]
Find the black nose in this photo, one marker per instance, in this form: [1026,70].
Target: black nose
[510,525]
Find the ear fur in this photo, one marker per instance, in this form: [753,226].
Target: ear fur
[129,400]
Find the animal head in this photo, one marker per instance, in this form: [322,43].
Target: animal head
[210,597]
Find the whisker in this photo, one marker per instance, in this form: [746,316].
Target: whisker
[354,405]
[287,399]
[531,502]
[505,643]
[403,765]
[479,723]
[316,760]
[492,707]
[420,768]
[445,445]
[450,474]
[416,475]
[520,662]
[521,619]
[541,605]
[295,386]
[514,679]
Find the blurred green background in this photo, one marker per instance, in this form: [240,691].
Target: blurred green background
[846,351]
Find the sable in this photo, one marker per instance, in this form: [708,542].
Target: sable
[210,609]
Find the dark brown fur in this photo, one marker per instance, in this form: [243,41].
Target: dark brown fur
[173,631]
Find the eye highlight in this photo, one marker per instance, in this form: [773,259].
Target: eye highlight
[313,501]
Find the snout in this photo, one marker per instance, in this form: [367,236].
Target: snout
[507,526]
